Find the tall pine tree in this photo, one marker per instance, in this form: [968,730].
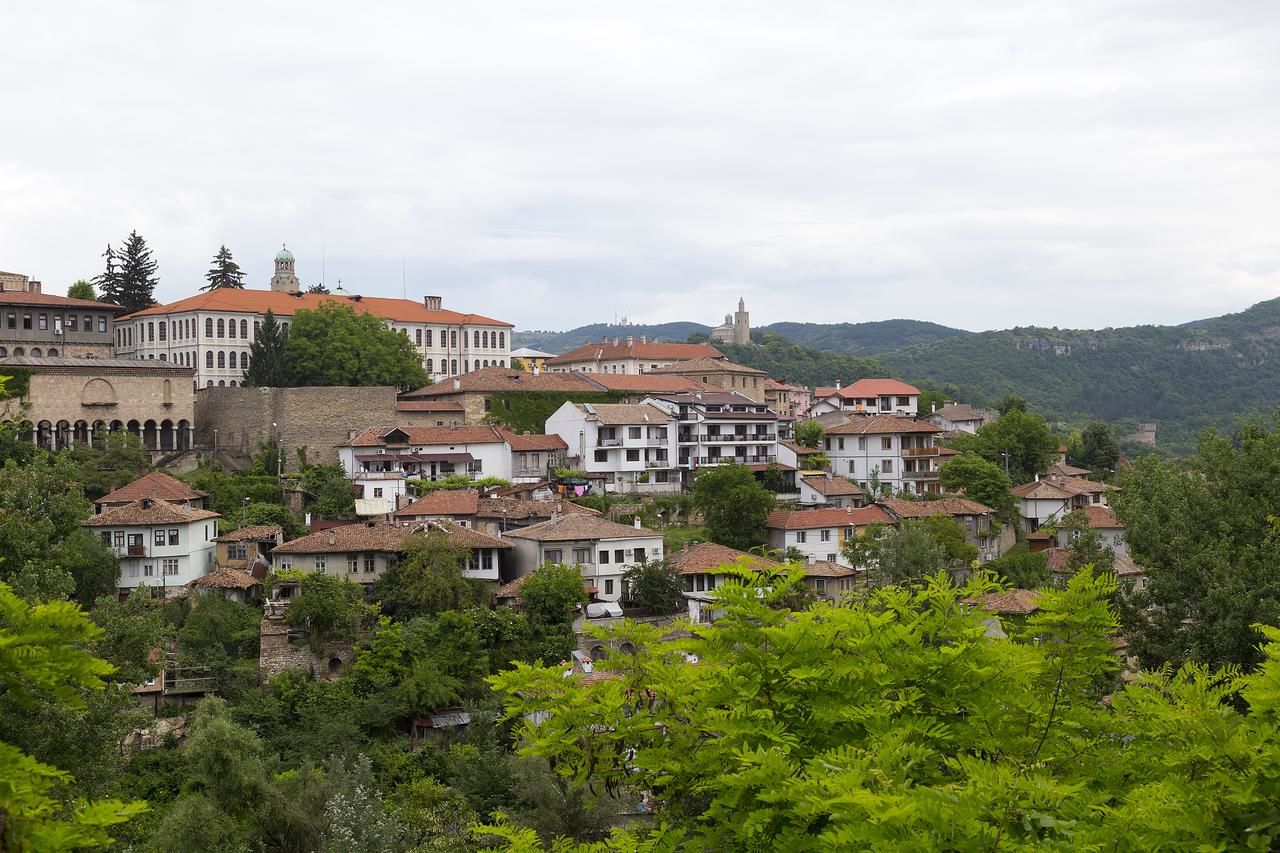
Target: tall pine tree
[135,277]
[225,272]
[108,281]
[266,356]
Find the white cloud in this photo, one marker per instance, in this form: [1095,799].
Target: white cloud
[1084,164]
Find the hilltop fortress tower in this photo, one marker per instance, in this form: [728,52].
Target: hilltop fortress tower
[736,328]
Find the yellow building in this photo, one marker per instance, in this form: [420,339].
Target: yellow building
[534,361]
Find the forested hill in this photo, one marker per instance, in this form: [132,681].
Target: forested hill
[1212,372]
[848,338]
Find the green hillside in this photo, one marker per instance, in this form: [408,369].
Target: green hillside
[848,338]
[1211,373]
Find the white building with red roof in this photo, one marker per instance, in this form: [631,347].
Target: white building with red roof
[157,543]
[820,534]
[868,397]
[897,451]
[212,331]
[628,355]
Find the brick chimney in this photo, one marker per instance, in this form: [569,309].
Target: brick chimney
[432,303]
[631,341]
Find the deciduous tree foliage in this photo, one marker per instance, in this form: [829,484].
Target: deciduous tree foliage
[82,289]
[897,723]
[979,480]
[328,607]
[1206,533]
[1097,449]
[656,586]
[428,579]
[810,434]
[334,345]
[1023,436]
[734,506]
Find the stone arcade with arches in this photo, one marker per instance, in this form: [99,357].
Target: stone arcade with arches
[67,399]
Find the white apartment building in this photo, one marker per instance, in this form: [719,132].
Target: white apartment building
[601,549]
[718,427]
[380,460]
[819,534]
[634,445]
[868,397]
[899,452]
[629,355]
[160,544]
[212,331]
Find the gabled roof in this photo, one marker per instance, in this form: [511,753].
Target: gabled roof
[708,557]
[881,425]
[248,301]
[809,519]
[865,388]
[1057,487]
[253,533]
[427,436]
[799,449]
[504,508]
[607,351]
[943,506]
[224,578]
[524,443]
[569,528]
[27,297]
[831,486]
[1101,518]
[157,484]
[148,511]
[466,537]
[496,379]
[828,569]
[1056,561]
[349,537]
[1062,469]
[1014,602]
[710,365]
[452,502]
[958,412]
[622,414]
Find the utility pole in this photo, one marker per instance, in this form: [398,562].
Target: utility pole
[1005,454]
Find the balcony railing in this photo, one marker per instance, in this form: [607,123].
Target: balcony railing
[740,460]
[658,463]
[609,442]
[741,438]
[917,452]
[134,551]
[919,475]
[687,438]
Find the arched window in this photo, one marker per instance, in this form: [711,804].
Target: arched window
[430,364]
[244,360]
[454,371]
[502,340]
[191,333]
[208,358]
[208,327]
[232,383]
[232,365]
[164,328]
[151,332]
[476,340]
[257,327]
[19,351]
[209,384]
[53,352]
[221,328]
[244,328]
[222,359]
[35,351]
[163,356]
[484,337]
[466,367]
[222,383]
[231,328]
[453,342]
[4,352]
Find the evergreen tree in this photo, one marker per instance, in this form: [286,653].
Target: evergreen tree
[82,290]
[266,356]
[136,277]
[108,281]
[317,288]
[225,272]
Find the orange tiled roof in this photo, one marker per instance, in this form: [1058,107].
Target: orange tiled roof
[644,383]
[428,406]
[148,511]
[225,578]
[708,557]
[875,388]
[429,436]
[881,425]
[828,569]
[157,484]
[943,506]
[808,519]
[831,486]
[711,365]
[253,533]
[285,304]
[635,349]
[26,297]
[1101,517]
[1010,601]
[539,442]
[443,502]
[568,528]
[495,379]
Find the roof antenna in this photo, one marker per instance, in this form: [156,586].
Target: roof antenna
[322,263]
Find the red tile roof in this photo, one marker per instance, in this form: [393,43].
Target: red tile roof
[645,383]
[864,388]
[1054,486]
[828,569]
[253,533]
[710,365]
[943,506]
[881,425]
[636,349]
[799,449]
[1101,517]
[526,443]
[347,538]
[831,486]
[1009,601]
[569,528]
[157,484]
[225,578]
[285,304]
[708,557]
[496,379]
[148,511]
[451,502]
[808,519]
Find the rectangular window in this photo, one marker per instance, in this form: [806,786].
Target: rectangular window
[581,555]
[831,558]
[886,443]
[608,586]
[840,443]
[320,561]
[26,321]
[148,571]
[237,551]
[486,561]
[426,341]
[850,466]
[353,564]
[71,322]
[377,493]
[13,320]
[133,570]
[802,537]
[820,586]
[286,561]
[604,556]
[159,534]
[102,323]
[602,456]
[173,536]
[633,455]
[617,555]
[633,432]
[170,566]
[106,538]
[417,336]
[556,556]
[369,564]
[119,538]
[904,401]
[88,323]
[43,322]
[886,466]
[826,536]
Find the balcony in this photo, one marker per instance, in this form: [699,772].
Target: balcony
[740,460]
[685,437]
[609,442]
[918,475]
[918,452]
[658,463]
[740,438]
[132,551]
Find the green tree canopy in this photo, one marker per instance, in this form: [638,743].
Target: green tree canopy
[979,480]
[1024,437]
[334,496]
[1097,449]
[129,279]
[810,434]
[553,595]
[899,554]
[82,289]
[224,272]
[328,607]
[333,345]
[733,504]
[655,586]
[267,366]
[428,579]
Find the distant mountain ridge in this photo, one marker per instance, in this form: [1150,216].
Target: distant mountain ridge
[848,338]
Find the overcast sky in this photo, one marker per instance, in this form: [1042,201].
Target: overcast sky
[552,163]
